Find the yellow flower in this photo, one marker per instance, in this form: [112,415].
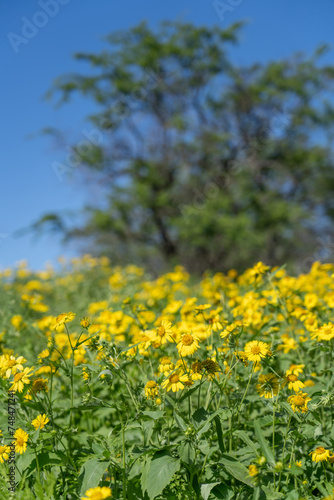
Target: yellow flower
[20,380]
[293,383]
[40,421]
[161,335]
[166,365]
[175,381]
[151,389]
[299,401]
[188,345]
[62,319]
[253,470]
[17,322]
[211,368]
[268,386]
[39,384]
[85,322]
[4,453]
[320,454]
[295,369]
[10,365]
[325,332]
[196,370]
[98,493]
[21,438]
[256,350]
[288,343]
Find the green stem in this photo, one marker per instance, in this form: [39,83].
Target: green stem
[243,397]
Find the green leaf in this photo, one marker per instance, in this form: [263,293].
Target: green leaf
[206,489]
[272,495]
[180,422]
[242,435]
[236,469]
[90,474]
[160,473]
[267,452]
[154,414]
[290,411]
[186,452]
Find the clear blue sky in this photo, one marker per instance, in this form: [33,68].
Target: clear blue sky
[33,56]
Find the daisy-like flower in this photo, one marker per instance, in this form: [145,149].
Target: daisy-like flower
[293,383]
[215,323]
[12,366]
[4,453]
[161,335]
[98,493]
[85,322]
[175,381]
[151,389]
[256,350]
[268,386]
[298,402]
[20,380]
[40,421]
[21,438]
[63,318]
[196,370]
[39,385]
[166,366]
[320,454]
[325,332]
[211,368]
[188,344]
[230,329]
[253,470]
[295,369]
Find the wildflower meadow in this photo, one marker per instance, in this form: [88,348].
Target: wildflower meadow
[120,385]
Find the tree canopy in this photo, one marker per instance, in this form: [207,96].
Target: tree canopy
[200,161]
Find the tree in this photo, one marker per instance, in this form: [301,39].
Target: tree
[201,162]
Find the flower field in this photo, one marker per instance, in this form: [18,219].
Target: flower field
[118,385]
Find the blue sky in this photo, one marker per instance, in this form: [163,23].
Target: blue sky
[38,39]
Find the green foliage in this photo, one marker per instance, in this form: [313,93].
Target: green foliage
[202,162]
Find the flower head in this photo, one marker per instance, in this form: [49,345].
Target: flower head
[20,380]
[40,421]
[256,350]
[39,384]
[63,318]
[4,453]
[298,402]
[21,438]
[175,381]
[320,454]
[294,383]
[268,386]
[188,344]
[151,389]
[98,493]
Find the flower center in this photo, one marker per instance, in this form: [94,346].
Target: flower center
[150,384]
[174,378]
[256,349]
[320,450]
[299,401]
[161,331]
[187,339]
[292,378]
